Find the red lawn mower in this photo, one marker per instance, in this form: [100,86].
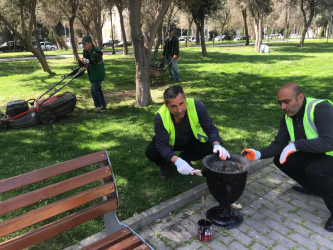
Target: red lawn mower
[27,113]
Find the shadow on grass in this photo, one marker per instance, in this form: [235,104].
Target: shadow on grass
[243,103]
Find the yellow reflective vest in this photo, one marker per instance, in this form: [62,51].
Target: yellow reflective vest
[308,121]
[192,116]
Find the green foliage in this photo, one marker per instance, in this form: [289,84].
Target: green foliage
[237,85]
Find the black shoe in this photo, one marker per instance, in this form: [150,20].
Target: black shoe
[304,190]
[165,171]
[329,224]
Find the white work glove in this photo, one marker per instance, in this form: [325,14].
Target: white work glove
[251,154]
[183,167]
[288,150]
[85,61]
[223,153]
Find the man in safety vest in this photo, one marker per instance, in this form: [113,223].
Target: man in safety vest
[303,147]
[182,124]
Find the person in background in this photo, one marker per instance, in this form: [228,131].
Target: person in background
[182,124]
[303,147]
[171,52]
[93,58]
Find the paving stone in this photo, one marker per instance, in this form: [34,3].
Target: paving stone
[195,244]
[283,204]
[176,233]
[303,241]
[257,226]
[310,216]
[277,226]
[283,240]
[257,246]
[324,240]
[215,245]
[241,237]
[297,228]
[157,243]
[260,238]
[237,246]
[226,239]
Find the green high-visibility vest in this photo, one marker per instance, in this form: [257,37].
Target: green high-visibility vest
[192,116]
[308,121]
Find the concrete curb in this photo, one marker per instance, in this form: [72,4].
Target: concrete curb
[161,210]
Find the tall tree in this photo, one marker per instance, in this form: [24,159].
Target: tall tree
[258,9]
[121,5]
[200,11]
[221,18]
[309,9]
[69,8]
[20,18]
[143,39]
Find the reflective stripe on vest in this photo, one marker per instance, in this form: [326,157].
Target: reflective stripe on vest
[193,119]
[308,121]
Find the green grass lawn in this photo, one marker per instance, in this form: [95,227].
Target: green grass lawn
[237,85]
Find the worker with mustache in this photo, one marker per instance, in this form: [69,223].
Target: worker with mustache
[182,124]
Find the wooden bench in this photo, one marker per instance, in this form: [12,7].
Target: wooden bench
[60,197]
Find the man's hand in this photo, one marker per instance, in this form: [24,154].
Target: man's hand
[85,61]
[288,150]
[223,153]
[174,56]
[183,167]
[251,154]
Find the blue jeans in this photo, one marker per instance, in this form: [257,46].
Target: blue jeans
[173,69]
[97,93]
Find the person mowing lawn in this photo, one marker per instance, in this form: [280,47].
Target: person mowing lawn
[303,147]
[93,57]
[182,124]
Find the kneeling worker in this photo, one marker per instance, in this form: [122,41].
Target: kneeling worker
[182,124]
[303,147]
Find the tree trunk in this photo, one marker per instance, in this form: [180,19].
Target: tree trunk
[188,32]
[247,42]
[306,22]
[158,41]
[142,45]
[202,33]
[74,47]
[197,31]
[122,26]
[287,22]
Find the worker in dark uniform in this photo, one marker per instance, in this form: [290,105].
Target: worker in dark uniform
[182,124]
[93,57]
[170,53]
[303,147]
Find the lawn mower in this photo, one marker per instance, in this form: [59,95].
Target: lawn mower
[20,113]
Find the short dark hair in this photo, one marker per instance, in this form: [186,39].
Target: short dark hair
[172,92]
[297,90]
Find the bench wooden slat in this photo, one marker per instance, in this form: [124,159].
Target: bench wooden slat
[127,244]
[109,240]
[57,227]
[52,190]
[51,171]
[142,247]
[55,208]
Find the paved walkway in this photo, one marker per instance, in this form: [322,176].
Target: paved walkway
[275,217]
